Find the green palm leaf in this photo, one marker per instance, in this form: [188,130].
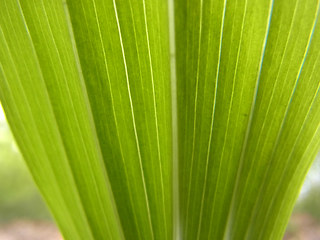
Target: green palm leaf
[86,88]
[248,128]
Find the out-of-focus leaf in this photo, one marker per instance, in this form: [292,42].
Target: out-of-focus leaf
[86,88]
[45,100]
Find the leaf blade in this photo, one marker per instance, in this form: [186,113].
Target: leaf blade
[216,179]
[60,119]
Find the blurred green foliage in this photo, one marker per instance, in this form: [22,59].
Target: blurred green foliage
[19,197]
[309,200]
[310,203]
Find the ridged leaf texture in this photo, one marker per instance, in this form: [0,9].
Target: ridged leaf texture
[148,119]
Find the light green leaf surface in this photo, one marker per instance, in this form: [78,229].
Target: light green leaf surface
[125,43]
[46,105]
[105,111]
[86,88]
[248,113]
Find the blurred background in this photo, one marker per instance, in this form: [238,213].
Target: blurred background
[24,216]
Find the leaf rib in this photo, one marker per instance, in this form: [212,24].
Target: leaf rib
[212,121]
[195,116]
[133,119]
[226,234]
[155,113]
[281,127]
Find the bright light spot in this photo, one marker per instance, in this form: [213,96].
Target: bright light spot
[2,116]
